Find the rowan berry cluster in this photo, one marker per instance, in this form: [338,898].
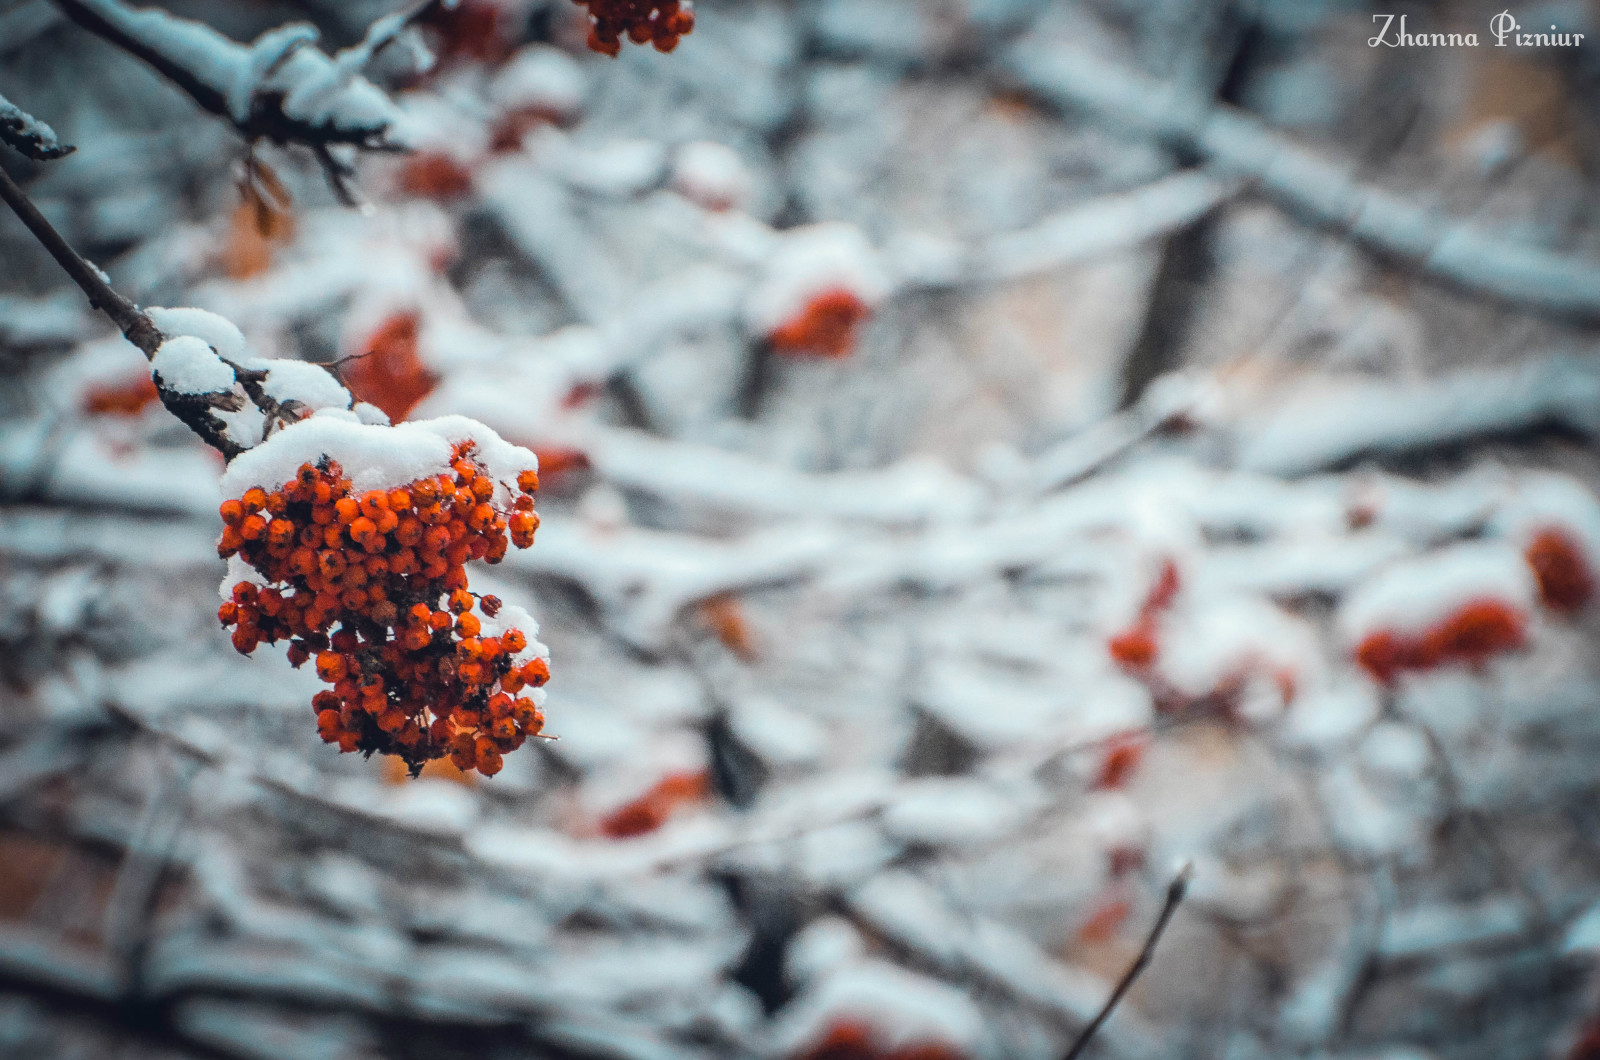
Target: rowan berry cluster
[1470,635]
[657,22]
[826,327]
[415,671]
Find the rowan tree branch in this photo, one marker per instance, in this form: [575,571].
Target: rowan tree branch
[133,323]
[281,88]
[1175,894]
[195,411]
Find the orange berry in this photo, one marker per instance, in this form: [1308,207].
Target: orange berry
[232,512]
[528,481]
[331,666]
[468,625]
[254,499]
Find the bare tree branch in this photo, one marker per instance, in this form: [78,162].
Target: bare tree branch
[196,411]
[1175,893]
[139,328]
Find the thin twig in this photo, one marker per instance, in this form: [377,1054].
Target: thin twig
[139,328]
[196,411]
[1175,893]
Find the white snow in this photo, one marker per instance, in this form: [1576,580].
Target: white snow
[217,331]
[188,365]
[823,946]
[1211,642]
[902,1009]
[950,811]
[310,385]
[371,415]
[1551,501]
[810,261]
[540,77]
[712,175]
[316,91]
[376,457]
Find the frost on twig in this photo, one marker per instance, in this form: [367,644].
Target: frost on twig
[281,88]
[1314,187]
[29,135]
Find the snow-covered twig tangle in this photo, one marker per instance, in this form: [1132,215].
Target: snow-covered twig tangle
[281,88]
[1318,189]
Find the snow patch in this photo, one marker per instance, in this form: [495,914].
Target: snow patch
[188,365]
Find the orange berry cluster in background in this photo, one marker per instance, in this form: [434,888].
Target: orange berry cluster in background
[1470,634]
[652,809]
[413,672]
[1137,647]
[1558,562]
[657,22]
[121,399]
[390,373]
[826,327]
[850,1039]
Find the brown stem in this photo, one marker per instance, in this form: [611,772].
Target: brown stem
[1175,892]
[195,410]
[139,328]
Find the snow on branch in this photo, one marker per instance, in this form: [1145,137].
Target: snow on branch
[29,135]
[1102,225]
[281,88]
[1311,186]
[1336,422]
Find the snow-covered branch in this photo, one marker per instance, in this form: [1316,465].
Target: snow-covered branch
[29,135]
[282,87]
[1316,188]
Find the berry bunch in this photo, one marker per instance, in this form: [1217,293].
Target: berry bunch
[657,22]
[1470,635]
[1565,582]
[415,672]
[826,327]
